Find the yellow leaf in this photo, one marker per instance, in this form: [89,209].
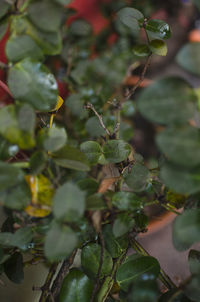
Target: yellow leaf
[58,104]
[34,211]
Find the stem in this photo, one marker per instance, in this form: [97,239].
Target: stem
[46,287]
[164,278]
[22,164]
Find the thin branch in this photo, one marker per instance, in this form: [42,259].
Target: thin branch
[46,287]
[90,106]
[5,87]
[55,289]
[100,266]
[164,278]
[132,90]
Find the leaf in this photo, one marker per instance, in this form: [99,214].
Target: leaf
[92,151]
[4,7]
[9,175]
[59,243]
[95,202]
[21,238]
[69,202]
[144,289]
[80,28]
[76,287]
[72,158]
[159,28]
[181,180]
[14,268]
[63,2]
[20,47]
[194,261]
[58,104]
[141,50]
[7,150]
[17,125]
[131,270]
[76,105]
[181,145]
[113,245]
[158,47]
[93,127]
[174,295]
[89,185]
[122,225]
[3,28]
[161,102]
[115,151]
[186,229]
[52,139]
[138,178]
[131,17]
[50,15]
[188,57]
[31,82]
[90,259]
[126,201]
[38,162]
[192,289]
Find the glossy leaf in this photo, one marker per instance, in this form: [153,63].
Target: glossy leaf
[59,243]
[76,287]
[14,268]
[31,82]
[194,261]
[50,15]
[188,57]
[17,125]
[52,139]
[126,201]
[186,229]
[115,151]
[181,180]
[72,158]
[141,50]
[122,225]
[92,151]
[159,28]
[90,259]
[131,270]
[181,145]
[161,102]
[131,17]
[138,178]
[158,47]
[69,202]
[20,47]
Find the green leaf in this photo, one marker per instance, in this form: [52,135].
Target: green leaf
[141,50]
[138,178]
[3,28]
[188,57]
[131,17]
[31,82]
[17,125]
[63,2]
[50,15]
[38,162]
[181,145]
[181,180]
[115,151]
[194,261]
[93,127]
[159,28]
[69,202]
[126,201]
[144,290]
[52,139]
[90,259]
[192,289]
[158,47]
[76,105]
[59,243]
[20,47]
[131,270]
[9,175]
[89,185]
[14,268]
[95,202]
[174,295]
[161,102]
[21,238]
[80,28]
[72,158]
[76,287]
[186,229]
[4,7]
[122,225]
[7,150]
[92,151]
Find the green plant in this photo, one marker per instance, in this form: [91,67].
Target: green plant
[71,183]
